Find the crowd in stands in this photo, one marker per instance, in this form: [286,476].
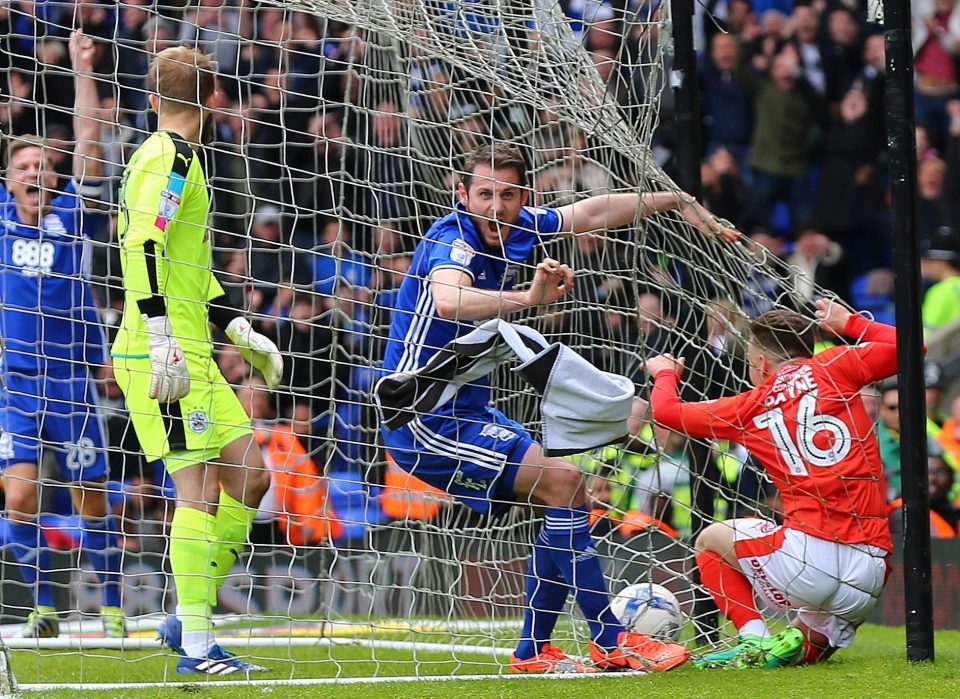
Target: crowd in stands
[792,107]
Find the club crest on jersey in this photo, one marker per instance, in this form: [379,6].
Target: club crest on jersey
[497,432]
[197,421]
[461,252]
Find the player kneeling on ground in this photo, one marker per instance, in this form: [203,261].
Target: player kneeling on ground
[806,424]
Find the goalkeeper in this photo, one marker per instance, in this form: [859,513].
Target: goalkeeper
[181,406]
[462,272]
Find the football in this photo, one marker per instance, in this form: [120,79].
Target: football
[649,609]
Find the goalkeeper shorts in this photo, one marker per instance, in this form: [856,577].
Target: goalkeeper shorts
[191,430]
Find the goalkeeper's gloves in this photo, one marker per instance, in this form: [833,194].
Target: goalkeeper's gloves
[257,349]
[169,377]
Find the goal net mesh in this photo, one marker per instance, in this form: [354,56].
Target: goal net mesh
[341,132]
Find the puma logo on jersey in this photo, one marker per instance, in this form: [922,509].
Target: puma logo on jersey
[184,159]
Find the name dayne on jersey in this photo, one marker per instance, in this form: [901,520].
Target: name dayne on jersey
[795,380]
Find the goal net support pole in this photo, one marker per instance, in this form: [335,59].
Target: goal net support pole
[918,590]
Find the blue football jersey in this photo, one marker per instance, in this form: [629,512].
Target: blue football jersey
[47,310]
[416,331]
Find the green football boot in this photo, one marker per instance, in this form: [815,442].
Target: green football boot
[757,652]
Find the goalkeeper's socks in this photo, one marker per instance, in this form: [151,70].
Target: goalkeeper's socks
[29,546]
[568,534]
[231,530]
[191,534]
[732,592]
[546,594]
[99,541]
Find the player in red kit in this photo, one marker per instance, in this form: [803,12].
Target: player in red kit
[806,424]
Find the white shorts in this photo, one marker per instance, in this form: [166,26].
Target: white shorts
[832,587]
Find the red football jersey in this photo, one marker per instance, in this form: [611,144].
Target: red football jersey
[809,430]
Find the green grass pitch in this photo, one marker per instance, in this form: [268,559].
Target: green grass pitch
[873,667]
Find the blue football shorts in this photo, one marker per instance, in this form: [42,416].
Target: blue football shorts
[473,456]
[53,412]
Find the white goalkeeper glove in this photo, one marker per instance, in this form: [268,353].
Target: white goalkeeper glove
[257,349]
[169,377]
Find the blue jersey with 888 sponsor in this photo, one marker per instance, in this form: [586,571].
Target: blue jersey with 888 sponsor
[47,313]
[416,332]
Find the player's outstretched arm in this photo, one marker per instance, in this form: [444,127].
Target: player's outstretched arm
[87,157]
[605,211]
[718,419]
[872,360]
[455,297]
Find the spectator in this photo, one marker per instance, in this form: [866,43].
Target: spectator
[234,279]
[786,111]
[727,109]
[951,185]
[336,261]
[873,292]
[819,262]
[574,173]
[933,212]
[872,77]
[740,16]
[653,324]
[295,510]
[320,182]
[268,261]
[761,286]
[849,190]
[385,165]
[888,437]
[386,240]
[939,265]
[936,39]
[949,435]
[934,384]
[844,57]
[214,27]
[805,26]
[725,339]
[611,73]
[944,514]
[723,189]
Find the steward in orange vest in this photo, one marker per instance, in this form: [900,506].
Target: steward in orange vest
[304,513]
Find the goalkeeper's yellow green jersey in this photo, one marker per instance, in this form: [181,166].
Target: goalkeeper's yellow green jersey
[165,246]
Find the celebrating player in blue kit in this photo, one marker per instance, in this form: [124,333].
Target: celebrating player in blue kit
[462,272]
[52,335]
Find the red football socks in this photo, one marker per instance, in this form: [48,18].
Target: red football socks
[731,590]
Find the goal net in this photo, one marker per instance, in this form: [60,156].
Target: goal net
[342,127]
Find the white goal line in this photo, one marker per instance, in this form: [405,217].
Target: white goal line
[186,686]
[245,642]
